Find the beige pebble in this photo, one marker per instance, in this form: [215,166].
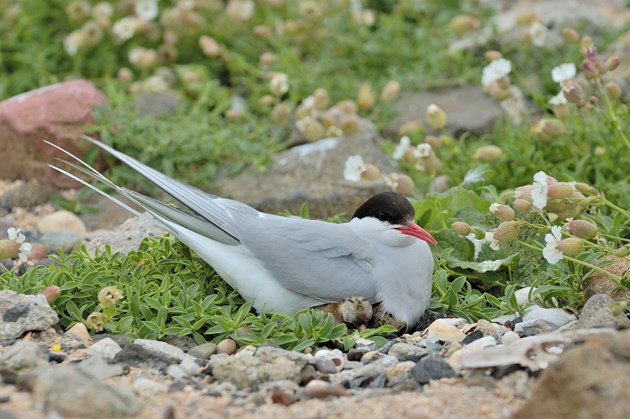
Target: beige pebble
[318,389]
[445,331]
[80,332]
[226,346]
[61,220]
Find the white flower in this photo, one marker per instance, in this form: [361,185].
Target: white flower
[146,9]
[18,237]
[558,99]
[422,150]
[279,84]
[494,207]
[125,28]
[563,72]
[477,243]
[551,252]
[309,102]
[354,168]
[495,70]
[489,238]
[73,42]
[540,190]
[538,34]
[402,146]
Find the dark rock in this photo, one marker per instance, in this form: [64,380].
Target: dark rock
[20,313]
[469,110]
[29,117]
[477,334]
[598,312]
[83,395]
[431,368]
[588,381]
[356,354]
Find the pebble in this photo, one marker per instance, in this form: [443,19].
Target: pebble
[65,240]
[176,372]
[509,338]
[522,296]
[203,351]
[325,365]
[99,368]
[24,356]
[80,332]
[226,346]
[535,327]
[471,337]
[445,331]
[557,316]
[318,389]
[407,352]
[162,348]
[61,221]
[106,348]
[431,368]
[21,313]
[190,367]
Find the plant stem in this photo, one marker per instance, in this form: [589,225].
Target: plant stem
[611,275]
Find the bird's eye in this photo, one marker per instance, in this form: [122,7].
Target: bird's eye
[381,216]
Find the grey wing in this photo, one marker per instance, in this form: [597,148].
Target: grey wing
[314,258]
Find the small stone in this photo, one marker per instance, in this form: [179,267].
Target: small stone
[557,316]
[509,338]
[25,195]
[99,368]
[24,356]
[38,252]
[162,348]
[371,356]
[407,352]
[226,346]
[477,334]
[598,312]
[282,396]
[355,354]
[444,331]
[176,372]
[190,367]
[490,329]
[325,365]
[20,313]
[203,351]
[61,221]
[80,332]
[431,368]
[522,295]
[106,348]
[65,240]
[318,389]
[535,327]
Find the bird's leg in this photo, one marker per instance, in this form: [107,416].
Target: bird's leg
[353,311]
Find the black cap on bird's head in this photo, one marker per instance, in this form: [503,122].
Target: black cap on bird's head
[394,209]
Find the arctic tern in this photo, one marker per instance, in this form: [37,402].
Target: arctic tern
[285,264]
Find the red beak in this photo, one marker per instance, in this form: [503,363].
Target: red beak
[416,231]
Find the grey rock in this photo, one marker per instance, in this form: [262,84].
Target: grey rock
[24,356]
[591,380]
[468,109]
[99,368]
[431,368]
[71,391]
[137,356]
[598,312]
[325,365]
[124,238]
[203,351]
[163,349]
[20,313]
[106,348]
[267,364]
[63,239]
[26,194]
[313,173]
[176,372]
[535,327]
[407,352]
[557,316]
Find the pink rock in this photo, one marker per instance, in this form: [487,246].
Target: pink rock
[56,113]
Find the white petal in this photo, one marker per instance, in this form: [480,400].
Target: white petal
[540,190]
[402,146]
[552,255]
[558,99]
[563,72]
[12,232]
[354,168]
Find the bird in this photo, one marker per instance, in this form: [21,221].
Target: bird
[286,264]
[354,311]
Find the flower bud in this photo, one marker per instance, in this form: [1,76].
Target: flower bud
[262,31]
[267,58]
[433,141]
[409,128]
[209,46]
[622,251]
[390,91]
[560,190]
[585,187]
[347,106]
[279,84]
[570,35]
[573,92]
[612,90]
[400,183]
[96,321]
[521,205]
[612,63]
[561,111]
[266,100]
[488,153]
[497,92]
[109,296]
[570,246]
[436,116]
[371,172]
[349,126]
[464,23]
[365,98]
[582,228]
[590,68]
[78,10]
[599,151]
[524,192]
[492,55]
[321,101]
[9,249]
[586,43]
[502,211]
[461,228]
[125,75]
[51,293]
[506,232]
[547,129]
[310,128]
[240,10]
[281,114]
